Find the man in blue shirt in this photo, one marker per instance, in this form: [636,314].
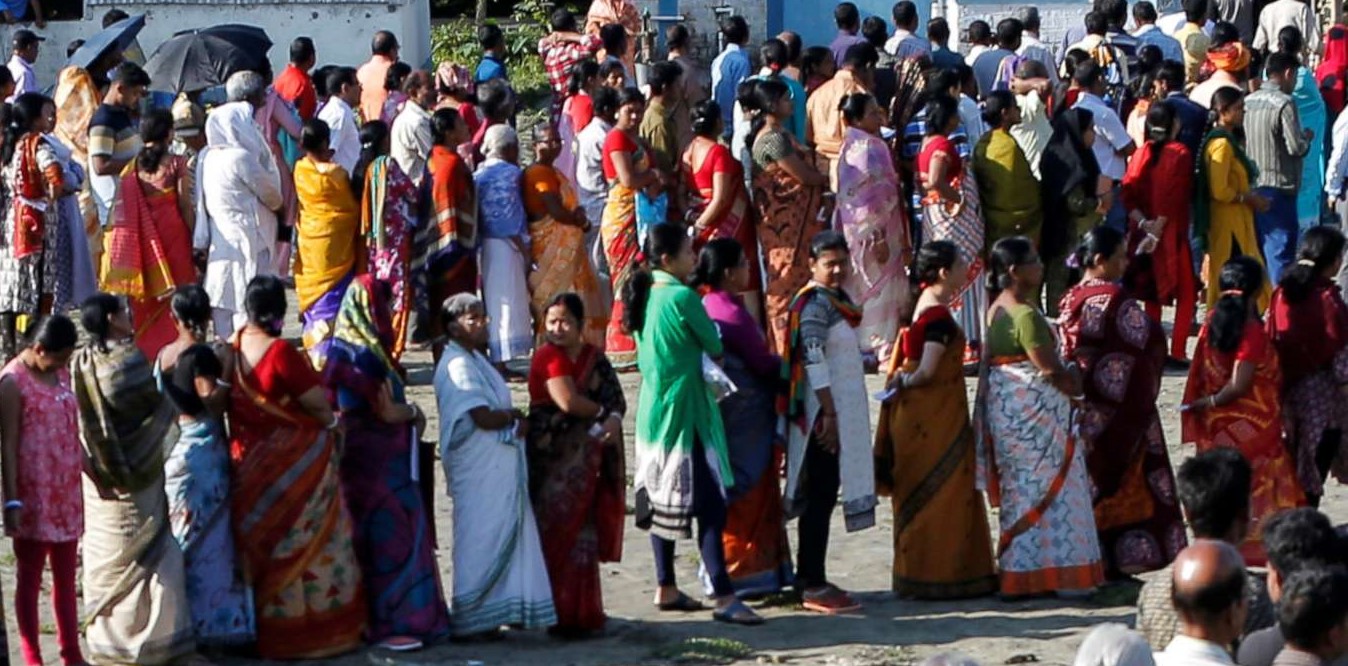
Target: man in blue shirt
[1193,119]
[848,19]
[1147,34]
[730,68]
[493,65]
[938,31]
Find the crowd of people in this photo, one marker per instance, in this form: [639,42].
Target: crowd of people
[753,244]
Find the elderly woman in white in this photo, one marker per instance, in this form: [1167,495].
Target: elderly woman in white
[500,578]
[505,246]
[237,204]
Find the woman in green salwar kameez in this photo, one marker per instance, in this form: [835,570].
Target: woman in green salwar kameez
[682,462]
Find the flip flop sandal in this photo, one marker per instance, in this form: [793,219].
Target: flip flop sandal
[681,604]
[401,644]
[738,613]
[833,602]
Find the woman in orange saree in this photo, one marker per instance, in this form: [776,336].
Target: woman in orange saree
[557,225]
[718,205]
[291,527]
[1232,398]
[924,448]
[149,246]
[444,257]
[792,201]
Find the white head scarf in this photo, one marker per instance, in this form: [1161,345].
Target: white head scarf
[497,139]
[231,125]
[1114,645]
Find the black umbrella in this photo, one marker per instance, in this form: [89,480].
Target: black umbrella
[199,59]
[117,36]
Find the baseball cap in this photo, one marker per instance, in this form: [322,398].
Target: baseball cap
[25,38]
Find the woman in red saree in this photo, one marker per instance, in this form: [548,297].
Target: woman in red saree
[1308,323]
[1233,399]
[576,468]
[149,247]
[290,523]
[1158,192]
[1121,353]
[718,205]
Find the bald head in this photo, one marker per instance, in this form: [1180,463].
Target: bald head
[1209,591]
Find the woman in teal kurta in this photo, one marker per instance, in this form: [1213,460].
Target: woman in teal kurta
[682,463]
[1314,116]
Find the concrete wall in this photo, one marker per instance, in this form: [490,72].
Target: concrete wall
[341,31]
[1055,17]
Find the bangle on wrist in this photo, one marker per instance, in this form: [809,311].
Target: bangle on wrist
[333,424]
[13,504]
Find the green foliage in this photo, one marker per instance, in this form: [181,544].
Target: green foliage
[456,41]
[704,651]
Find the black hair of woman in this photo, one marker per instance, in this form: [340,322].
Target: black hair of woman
[1320,251]
[1241,280]
[718,257]
[662,241]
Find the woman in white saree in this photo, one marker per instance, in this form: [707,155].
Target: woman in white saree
[499,575]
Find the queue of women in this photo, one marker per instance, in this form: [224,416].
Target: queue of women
[239,492]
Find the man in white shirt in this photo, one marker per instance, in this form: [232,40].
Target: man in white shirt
[338,113]
[1112,143]
[236,222]
[26,45]
[1209,597]
[1281,13]
[411,135]
[1032,133]
[590,181]
[1032,47]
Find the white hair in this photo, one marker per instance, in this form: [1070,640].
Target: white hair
[242,86]
[459,305]
[497,139]
[1114,644]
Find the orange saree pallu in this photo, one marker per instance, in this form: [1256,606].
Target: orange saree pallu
[149,250]
[924,461]
[1252,424]
[561,262]
[789,215]
[621,248]
[292,530]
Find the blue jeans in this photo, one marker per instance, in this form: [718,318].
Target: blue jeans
[1277,230]
[1117,215]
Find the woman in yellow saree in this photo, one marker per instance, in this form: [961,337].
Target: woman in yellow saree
[557,225]
[330,251]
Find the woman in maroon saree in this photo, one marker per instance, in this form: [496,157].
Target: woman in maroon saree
[1121,353]
[1308,324]
[576,467]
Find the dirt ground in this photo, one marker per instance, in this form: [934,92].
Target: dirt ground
[888,632]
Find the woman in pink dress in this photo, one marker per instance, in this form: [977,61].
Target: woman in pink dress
[42,462]
[275,115]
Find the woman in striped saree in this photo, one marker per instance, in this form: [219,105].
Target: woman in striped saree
[149,245]
[444,261]
[136,608]
[327,236]
[293,530]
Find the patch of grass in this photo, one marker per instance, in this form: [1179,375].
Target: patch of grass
[703,651]
[47,628]
[8,559]
[900,655]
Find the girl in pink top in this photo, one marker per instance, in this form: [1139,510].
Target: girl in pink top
[42,461]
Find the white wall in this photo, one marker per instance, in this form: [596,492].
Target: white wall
[341,32]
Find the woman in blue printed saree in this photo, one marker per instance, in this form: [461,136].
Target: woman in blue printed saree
[500,577]
[392,536]
[197,476]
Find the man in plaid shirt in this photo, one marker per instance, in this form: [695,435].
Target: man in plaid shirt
[561,50]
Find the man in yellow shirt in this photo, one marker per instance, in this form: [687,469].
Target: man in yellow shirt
[825,127]
[1192,39]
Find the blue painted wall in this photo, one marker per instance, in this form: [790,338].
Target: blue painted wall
[813,19]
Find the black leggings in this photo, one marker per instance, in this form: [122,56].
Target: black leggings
[709,509]
[1325,453]
[820,482]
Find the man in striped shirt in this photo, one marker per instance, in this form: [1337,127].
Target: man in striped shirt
[1277,144]
[113,139]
